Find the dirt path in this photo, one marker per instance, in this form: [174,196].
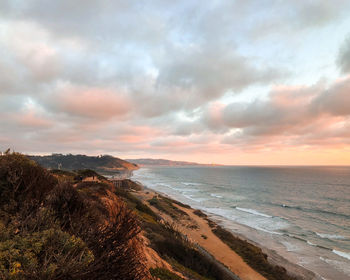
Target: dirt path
[217,248]
[201,233]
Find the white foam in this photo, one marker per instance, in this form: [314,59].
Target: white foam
[197,199]
[220,212]
[310,243]
[290,247]
[215,195]
[331,236]
[190,184]
[165,185]
[342,254]
[268,231]
[254,212]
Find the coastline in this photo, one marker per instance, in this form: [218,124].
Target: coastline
[199,229]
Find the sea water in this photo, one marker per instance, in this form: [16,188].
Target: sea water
[303,213]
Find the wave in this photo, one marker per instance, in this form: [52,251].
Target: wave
[342,254]
[290,247]
[165,185]
[310,243]
[310,210]
[190,184]
[254,212]
[216,195]
[341,266]
[266,230]
[331,236]
[305,240]
[198,199]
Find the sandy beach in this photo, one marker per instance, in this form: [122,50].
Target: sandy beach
[198,229]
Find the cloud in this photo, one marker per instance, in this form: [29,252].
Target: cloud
[335,100]
[344,57]
[291,115]
[159,78]
[30,120]
[91,103]
[210,72]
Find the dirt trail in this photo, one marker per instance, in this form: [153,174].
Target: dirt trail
[197,230]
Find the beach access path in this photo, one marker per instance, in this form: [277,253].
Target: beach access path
[198,231]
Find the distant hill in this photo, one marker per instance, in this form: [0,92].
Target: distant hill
[104,164]
[162,162]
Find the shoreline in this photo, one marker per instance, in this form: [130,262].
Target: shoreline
[199,236]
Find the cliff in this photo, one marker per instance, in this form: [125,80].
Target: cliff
[104,164]
[57,224]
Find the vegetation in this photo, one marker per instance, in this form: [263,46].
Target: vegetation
[199,213]
[50,229]
[164,274]
[76,176]
[169,200]
[85,173]
[55,226]
[104,163]
[166,205]
[170,244]
[131,185]
[253,255]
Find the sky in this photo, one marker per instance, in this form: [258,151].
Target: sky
[253,82]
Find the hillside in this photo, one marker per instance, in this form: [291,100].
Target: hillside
[54,227]
[104,164]
[57,225]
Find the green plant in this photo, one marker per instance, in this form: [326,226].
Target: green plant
[253,255]
[166,205]
[48,254]
[57,230]
[22,181]
[164,274]
[174,246]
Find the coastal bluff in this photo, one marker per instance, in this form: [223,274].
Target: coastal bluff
[104,164]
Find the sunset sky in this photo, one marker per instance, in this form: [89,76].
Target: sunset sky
[231,82]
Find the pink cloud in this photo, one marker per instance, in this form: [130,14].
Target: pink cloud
[94,103]
[31,119]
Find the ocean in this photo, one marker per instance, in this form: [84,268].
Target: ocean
[302,213]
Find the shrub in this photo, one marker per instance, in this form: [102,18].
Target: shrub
[22,181]
[63,175]
[171,244]
[51,230]
[134,202]
[84,173]
[75,211]
[164,274]
[199,213]
[48,254]
[131,185]
[111,233]
[166,205]
[253,255]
